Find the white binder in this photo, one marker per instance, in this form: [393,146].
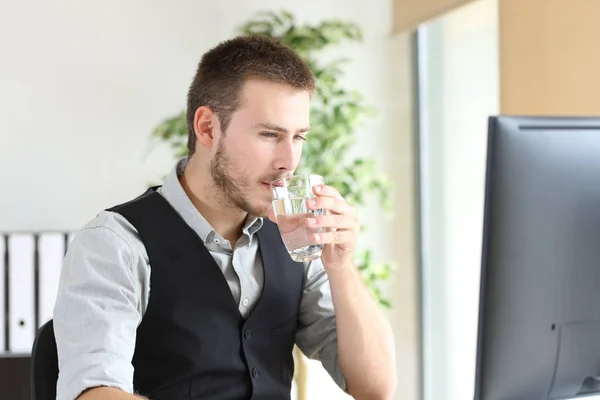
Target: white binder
[51,250]
[21,328]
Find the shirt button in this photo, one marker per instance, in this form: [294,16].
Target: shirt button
[245,302]
[247,333]
[255,373]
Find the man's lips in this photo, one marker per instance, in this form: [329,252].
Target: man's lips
[279,183]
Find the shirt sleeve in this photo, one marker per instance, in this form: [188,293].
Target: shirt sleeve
[96,313]
[317,334]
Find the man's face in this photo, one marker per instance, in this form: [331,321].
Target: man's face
[263,142]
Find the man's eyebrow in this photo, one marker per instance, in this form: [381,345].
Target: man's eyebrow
[277,128]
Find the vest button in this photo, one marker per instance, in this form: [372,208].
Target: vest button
[255,373]
[247,333]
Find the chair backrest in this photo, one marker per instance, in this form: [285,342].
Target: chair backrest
[44,364]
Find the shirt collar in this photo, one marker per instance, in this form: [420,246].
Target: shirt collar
[179,200]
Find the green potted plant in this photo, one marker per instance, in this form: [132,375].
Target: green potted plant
[336,113]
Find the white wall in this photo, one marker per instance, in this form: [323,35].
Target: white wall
[83,83]
[459,83]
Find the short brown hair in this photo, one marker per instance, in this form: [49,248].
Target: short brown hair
[224,69]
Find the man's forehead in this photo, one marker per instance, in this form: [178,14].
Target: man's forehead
[254,86]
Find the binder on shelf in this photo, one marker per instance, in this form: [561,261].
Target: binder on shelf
[21,270]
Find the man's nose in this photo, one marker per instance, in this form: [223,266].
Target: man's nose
[285,157]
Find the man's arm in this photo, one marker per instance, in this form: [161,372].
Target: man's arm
[97,312]
[364,337]
[342,326]
[106,393]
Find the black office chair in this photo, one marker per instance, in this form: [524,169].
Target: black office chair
[44,364]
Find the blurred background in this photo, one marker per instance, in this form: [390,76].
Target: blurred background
[83,86]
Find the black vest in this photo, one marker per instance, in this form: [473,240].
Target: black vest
[192,342]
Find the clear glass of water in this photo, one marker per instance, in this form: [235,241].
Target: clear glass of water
[290,197]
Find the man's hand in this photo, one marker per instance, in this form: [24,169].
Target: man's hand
[340,227]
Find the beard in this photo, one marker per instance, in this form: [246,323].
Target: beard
[235,187]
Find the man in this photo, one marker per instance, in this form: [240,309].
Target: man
[187,292]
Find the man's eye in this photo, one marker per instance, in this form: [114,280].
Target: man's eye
[300,137]
[269,134]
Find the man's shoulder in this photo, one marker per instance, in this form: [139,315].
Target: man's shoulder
[110,238]
[112,227]
[148,197]
[111,220]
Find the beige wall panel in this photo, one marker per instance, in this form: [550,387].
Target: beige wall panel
[549,57]
[408,14]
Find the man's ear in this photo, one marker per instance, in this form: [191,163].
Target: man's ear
[205,123]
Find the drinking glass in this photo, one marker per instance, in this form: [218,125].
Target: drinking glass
[290,197]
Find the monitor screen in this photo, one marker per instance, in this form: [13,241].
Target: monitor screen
[539,317]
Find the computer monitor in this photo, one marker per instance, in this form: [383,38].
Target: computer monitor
[539,317]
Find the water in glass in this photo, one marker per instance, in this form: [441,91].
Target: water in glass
[291,211]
